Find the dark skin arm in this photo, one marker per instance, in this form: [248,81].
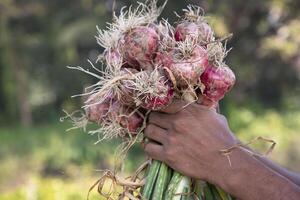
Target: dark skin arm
[189,140]
[292,176]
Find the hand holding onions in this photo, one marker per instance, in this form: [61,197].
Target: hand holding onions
[150,64]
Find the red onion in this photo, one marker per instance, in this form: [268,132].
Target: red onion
[154,91]
[97,111]
[126,117]
[187,70]
[112,111]
[186,29]
[200,32]
[217,81]
[164,59]
[160,101]
[139,46]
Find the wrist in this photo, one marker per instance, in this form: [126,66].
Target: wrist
[237,166]
[222,162]
[238,173]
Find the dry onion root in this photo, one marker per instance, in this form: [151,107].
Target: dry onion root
[153,90]
[145,65]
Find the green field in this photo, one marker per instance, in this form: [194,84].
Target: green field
[46,162]
[39,38]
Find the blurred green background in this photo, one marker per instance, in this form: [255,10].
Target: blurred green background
[40,160]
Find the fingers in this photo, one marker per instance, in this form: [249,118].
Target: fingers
[160,119]
[155,151]
[176,106]
[156,133]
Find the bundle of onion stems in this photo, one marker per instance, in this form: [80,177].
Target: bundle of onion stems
[146,64]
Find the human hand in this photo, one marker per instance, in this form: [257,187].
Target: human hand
[189,139]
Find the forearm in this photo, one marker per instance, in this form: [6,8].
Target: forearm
[249,179]
[294,177]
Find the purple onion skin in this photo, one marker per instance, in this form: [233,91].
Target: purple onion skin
[218,81]
[187,71]
[139,47]
[186,29]
[157,103]
[97,112]
[202,32]
[112,110]
[123,115]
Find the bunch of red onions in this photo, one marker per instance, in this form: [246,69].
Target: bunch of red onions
[148,63]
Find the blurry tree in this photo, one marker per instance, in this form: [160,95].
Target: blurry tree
[265,75]
[39,38]
[13,59]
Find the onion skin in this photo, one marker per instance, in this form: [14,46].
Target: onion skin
[133,123]
[112,110]
[154,90]
[139,46]
[217,81]
[164,59]
[159,102]
[187,71]
[200,32]
[97,112]
[206,33]
[186,29]
[124,116]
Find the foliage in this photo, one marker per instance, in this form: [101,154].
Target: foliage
[46,161]
[39,38]
[47,154]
